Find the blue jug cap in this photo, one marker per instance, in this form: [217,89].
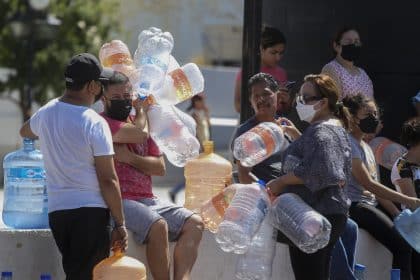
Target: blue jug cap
[359,267]
[395,273]
[45,277]
[261,183]
[6,274]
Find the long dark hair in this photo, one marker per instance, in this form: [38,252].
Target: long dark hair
[327,88]
[271,36]
[340,32]
[194,99]
[410,135]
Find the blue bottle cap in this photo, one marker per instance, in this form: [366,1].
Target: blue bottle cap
[395,274]
[6,274]
[261,182]
[359,267]
[45,277]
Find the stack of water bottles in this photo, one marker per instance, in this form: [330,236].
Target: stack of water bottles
[160,79]
[25,203]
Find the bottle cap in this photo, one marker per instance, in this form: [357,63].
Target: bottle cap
[262,183]
[395,273]
[6,274]
[45,277]
[359,267]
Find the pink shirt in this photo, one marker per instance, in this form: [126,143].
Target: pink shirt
[350,84]
[277,72]
[134,184]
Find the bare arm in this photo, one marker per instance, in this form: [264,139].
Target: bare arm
[237,99]
[134,132]
[389,207]
[243,174]
[149,165]
[26,131]
[276,186]
[407,187]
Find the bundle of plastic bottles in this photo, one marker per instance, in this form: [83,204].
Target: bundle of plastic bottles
[306,228]
[408,225]
[155,75]
[386,151]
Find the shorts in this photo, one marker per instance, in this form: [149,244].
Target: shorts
[142,214]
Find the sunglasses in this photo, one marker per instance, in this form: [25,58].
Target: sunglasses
[304,98]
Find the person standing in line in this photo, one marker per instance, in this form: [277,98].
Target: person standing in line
[272,49]
[83,188]
[350,79]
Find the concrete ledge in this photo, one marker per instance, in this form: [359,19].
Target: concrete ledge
[28,253]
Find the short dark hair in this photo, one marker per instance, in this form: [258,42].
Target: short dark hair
[410,135]
[271,36]
[356,102]
[340,32]
[117,78]
[76,86]
[263,78]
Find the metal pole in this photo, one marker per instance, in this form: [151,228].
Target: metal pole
[250,51]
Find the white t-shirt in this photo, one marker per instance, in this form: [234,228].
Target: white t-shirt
[70,137]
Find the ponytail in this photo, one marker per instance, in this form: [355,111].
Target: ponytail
[343,114]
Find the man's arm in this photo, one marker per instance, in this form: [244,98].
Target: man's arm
[26,131]
[243,173]
[135,132]
[149,165]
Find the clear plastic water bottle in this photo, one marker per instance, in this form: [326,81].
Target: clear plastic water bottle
[306,228]
[408,225]
[45,277]
[395,274]
[213,211]
[152,59]
[6,275]
[25,192]
[386,152]
[359,271]
[180,85]
[243,218]
[188,121]
[257,262]
[259,143]
[171,135]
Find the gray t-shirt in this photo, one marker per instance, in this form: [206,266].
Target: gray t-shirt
[363,152]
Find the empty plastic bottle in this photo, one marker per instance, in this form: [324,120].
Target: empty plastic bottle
[152,59]
[386,152]
[6,275]
[243,218]
[205,176]
[306,228]
[116,55]
[213,210]
[359,271]
[257,262]
[408,225]
[25,193]
[395,274]
[259,143]
[180,85]
[171,135]
[45,277]
[119,267]
[188,121]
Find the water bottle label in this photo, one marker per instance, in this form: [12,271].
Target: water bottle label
[220,203]
[182,85]
[152,60]
[266,136]
[26,173]
[117,58]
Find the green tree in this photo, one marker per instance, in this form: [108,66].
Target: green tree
[38,57]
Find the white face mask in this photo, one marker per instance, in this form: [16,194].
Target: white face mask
[306,112]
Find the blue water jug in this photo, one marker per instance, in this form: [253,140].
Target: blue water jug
[408,225]
[25,190]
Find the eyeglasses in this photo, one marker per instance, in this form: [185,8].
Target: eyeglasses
[304,98]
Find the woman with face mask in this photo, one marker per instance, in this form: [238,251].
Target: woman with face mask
[372,203]
[317,167]
[350,79]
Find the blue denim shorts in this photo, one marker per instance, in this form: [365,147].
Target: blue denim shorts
[142,214]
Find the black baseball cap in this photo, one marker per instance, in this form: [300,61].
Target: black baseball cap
[85,67]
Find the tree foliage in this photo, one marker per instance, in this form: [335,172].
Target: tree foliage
[38,57]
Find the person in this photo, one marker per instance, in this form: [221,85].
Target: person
[317,167]
[405,174]
[416,103]
[82,184]
[200,113]
[137,158]
[350,79]
[263,90]
[365,190]
[272,48]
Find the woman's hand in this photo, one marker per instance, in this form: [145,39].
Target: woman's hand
[289,128]
[413,203]
[275,186]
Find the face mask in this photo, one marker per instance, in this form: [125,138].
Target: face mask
[350,52]
[369,124]
[306,112]
[119,109]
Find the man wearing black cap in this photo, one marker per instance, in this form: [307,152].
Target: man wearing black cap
[82,184]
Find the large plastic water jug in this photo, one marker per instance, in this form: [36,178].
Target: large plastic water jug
[386,152]
[257,262]
[408,225]
[259,143]
[243,218]
[213,211]
[119,267]
[25,203]
[205,176]
[306,228]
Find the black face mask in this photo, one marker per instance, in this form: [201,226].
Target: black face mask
[350,52]
[119,109]
[369,124]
